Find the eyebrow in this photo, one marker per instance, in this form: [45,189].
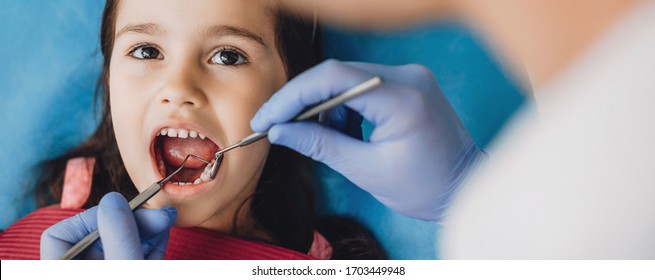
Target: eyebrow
[145,28]
[224,30]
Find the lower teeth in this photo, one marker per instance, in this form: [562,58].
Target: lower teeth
[204,177]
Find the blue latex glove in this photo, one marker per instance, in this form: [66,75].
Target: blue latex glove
[142,234]
[418,152]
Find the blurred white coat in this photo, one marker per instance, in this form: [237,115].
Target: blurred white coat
[574,177]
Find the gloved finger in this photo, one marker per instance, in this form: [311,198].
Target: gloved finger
[154,226]
[341,152]
[158,249]
[413,75]
[118,230]
[392,104]
[308,88]
[392,108]
[60,237]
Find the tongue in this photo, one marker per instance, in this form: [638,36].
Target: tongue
[176,149]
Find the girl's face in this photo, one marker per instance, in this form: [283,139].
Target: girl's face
[193,69]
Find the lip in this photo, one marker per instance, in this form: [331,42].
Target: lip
[170,188]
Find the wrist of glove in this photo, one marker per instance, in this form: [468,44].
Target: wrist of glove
[471,159]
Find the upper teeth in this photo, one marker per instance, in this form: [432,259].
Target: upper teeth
[181,133]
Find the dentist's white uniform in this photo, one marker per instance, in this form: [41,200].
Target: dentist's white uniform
[574,176]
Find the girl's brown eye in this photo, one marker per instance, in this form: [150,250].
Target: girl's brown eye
[146,52]
[227,57]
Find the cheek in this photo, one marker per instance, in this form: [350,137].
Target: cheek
[267,82]
[127,115]
[122,108]
[237,98]
[275,75]
[128,95]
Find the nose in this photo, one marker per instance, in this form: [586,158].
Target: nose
[181,88]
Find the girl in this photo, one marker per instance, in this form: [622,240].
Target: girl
[184,77]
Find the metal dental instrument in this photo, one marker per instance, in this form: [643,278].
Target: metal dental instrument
[134,204]
[313,111]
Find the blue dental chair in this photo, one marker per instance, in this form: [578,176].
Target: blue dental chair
[50,62]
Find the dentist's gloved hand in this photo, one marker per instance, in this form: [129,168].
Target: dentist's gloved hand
[142,234]
[416,156]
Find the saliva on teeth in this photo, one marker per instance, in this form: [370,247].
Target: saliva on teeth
[205,174]
[204,177]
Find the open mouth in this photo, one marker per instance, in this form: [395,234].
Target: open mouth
[172,145]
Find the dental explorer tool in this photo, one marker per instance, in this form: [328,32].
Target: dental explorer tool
[339,99]
[134,204]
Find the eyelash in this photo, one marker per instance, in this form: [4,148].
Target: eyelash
[216,52]
[231,49]
[137,46]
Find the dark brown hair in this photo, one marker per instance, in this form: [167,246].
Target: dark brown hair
[283,203]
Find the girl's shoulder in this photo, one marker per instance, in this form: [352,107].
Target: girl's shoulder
[21,241]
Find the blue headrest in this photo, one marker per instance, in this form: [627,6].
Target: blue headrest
[50,64]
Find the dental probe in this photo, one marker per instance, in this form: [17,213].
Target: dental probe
[134,204]
[313,111]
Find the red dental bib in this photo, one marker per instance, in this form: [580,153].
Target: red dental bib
[22,241]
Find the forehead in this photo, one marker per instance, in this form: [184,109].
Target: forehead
[191,17]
